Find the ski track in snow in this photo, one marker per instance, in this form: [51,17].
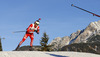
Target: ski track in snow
[45,54]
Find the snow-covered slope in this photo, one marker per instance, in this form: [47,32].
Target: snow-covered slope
[45,54]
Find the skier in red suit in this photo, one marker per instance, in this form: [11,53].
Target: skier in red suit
[29,32]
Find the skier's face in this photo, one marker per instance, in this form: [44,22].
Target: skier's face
[36,25]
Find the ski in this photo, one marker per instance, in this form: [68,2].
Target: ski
[86,10]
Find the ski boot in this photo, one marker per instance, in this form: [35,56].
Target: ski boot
[17,48]
[30,48]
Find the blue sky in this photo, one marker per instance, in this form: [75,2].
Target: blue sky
[59,19]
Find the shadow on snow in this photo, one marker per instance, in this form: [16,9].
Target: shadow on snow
[56,55]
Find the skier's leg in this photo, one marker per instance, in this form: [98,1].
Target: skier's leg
[31,43]
[24,38]
[32,38]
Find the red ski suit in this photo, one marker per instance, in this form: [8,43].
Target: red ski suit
[29,33]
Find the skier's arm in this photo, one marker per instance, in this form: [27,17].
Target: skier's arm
[38,30]
[28,29]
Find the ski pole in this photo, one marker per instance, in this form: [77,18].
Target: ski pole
[18,31]
[23,31]
[86,10]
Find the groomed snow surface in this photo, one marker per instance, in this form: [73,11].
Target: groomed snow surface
[45,54]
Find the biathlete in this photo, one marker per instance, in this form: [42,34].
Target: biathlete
[29,32]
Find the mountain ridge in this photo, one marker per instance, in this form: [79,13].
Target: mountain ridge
[80,36]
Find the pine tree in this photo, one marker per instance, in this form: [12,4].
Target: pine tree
[0,45]
[44,42]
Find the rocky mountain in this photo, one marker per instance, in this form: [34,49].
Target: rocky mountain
[58,42]
[93,47]
[81,36]
[94,38]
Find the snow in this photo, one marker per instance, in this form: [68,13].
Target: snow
[45,54]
